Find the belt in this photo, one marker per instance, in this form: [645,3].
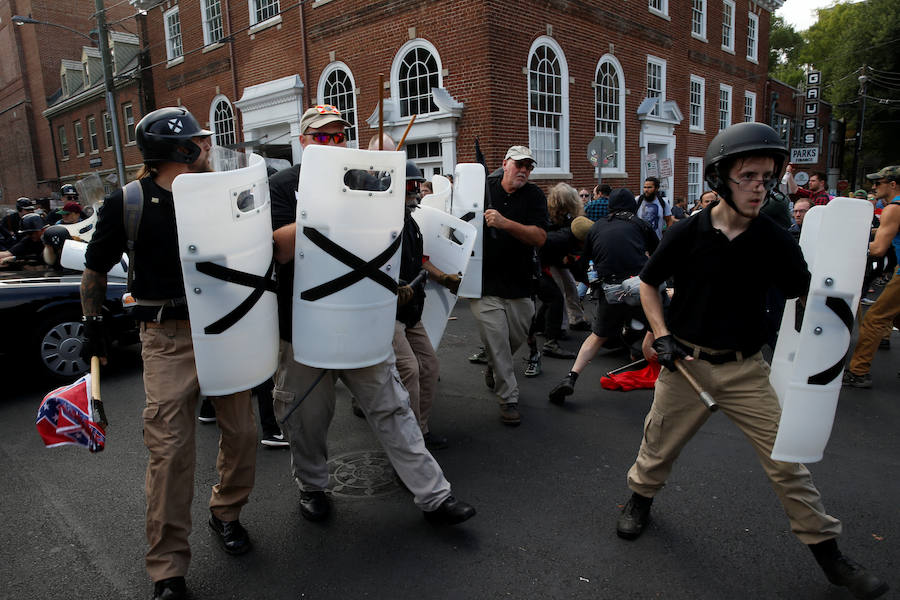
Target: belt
[179,324]
[715,358]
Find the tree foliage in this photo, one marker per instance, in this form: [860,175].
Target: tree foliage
[849,40]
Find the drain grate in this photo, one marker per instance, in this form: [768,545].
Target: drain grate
[361,474]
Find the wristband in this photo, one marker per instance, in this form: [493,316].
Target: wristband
[92,318]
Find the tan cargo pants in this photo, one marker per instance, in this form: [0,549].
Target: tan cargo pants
[418,367]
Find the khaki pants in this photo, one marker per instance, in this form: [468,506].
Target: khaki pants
[384,401]
[878,319]
[743,393]
[418,367]
[566,281]
[503,324]
[172,390]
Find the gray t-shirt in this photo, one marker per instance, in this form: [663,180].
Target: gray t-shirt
[654,213]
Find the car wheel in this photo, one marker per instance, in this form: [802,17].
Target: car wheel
[60,339]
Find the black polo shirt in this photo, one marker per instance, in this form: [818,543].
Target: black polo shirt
[721,285]
[509,265]
[283,195]
[619,244]
[157,266]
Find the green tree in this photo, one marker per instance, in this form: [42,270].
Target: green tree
[784,45]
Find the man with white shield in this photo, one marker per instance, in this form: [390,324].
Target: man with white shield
[723,262]
[171,143]
[305,395]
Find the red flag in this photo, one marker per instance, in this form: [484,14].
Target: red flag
[632,380]
[64,417]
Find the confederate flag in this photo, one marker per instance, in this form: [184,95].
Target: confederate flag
[65,417]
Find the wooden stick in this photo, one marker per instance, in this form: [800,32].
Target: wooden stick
[704,395]
[381,111]
[405,133]
[99,415]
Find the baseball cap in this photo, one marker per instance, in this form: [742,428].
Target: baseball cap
[860,194]
[70,207]
[892,171]
[581,226]
[24,203]
[319,116]
[520,153]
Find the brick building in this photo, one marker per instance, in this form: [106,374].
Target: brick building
[30,80]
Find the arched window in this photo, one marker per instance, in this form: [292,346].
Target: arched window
[222,118]
[609,110]
[548,105]
[336,87]
[416,72]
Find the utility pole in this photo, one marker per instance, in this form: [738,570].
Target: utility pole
[859,130]
[103,41]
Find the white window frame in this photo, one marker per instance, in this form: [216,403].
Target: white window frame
[410,46]
[79,138]
[128,122]
[63,142]
[658,62]
[697,127]
[255,21]
[726,112]
[93,138]
[753,38]
[174,41]
[107,130]
[221,137]
[619,168]
[749,102]
[205,7]
[695,168]
[563,114]
[728,14]
[661,8]
[349,110]
[701,34]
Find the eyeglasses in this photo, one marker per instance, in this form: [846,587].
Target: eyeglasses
[322,138]
[877,183]
[748,184]
[524,164]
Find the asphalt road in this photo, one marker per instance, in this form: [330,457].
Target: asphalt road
[547,494]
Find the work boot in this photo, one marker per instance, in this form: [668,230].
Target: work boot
[564,388]
[509,414]
[554,350]
[634,518]
[533,364]
[479,358]
[857,381]
[842,571]
[172,588]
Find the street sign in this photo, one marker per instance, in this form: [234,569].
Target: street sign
[600,149]
[807,156]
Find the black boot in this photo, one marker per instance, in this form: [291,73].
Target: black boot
[634,517]
[564,388]
[842,571]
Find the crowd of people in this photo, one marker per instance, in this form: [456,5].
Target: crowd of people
[688,284]
[32,238]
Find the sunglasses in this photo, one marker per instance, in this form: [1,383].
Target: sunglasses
[585,195]
[525,164]
[322,138]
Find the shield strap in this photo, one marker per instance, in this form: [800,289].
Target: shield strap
[259,285]
[843,311]
[361,268]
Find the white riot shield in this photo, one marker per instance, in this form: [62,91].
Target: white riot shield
[225,244]
[809,356]
[440,197]
[448,243]
[468,205]
[83,230]
[346,259]
[73,258]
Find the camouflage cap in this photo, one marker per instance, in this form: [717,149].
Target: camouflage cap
[892,171]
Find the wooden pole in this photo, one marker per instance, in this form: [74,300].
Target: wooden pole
[381,111]
[405,133]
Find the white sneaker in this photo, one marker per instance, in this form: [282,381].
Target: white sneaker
[275,441]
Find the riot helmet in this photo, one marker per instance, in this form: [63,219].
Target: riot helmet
[737,141]
[413,173]
[24,203]
[413,178]
[68,190]
[164,135]
[55,236]
[31,223]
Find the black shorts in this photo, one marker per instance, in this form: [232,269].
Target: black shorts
[610,318]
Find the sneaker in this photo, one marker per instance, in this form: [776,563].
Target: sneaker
[489,379]
[533,364]
[479,358]
[172,588]
[857,381]
[274,440]
[884,344]
[564,388]
[634,518]
[867,302]
[552,349]
[509,414]
[207,412]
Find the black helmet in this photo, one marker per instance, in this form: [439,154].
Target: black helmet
[32,222]
[24,203]
[738,140]
[68,190]
[412,172]
[164,135]
[55,236]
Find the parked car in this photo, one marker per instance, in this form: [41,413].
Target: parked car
[40,320]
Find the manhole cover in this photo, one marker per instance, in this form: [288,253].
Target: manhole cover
[365,474]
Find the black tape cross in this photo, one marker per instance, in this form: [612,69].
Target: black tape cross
[467,217]
[259,285]
[361,268]
[839,307]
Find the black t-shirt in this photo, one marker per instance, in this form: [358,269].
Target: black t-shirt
[411,255]
[157,266]
[618,245]
[721,285]
[283,195]
[509,265]
[27,249]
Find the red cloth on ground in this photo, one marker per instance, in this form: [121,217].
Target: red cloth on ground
[632,380]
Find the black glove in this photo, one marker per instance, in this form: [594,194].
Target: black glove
[668,350]
[404,294]
[96,338]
